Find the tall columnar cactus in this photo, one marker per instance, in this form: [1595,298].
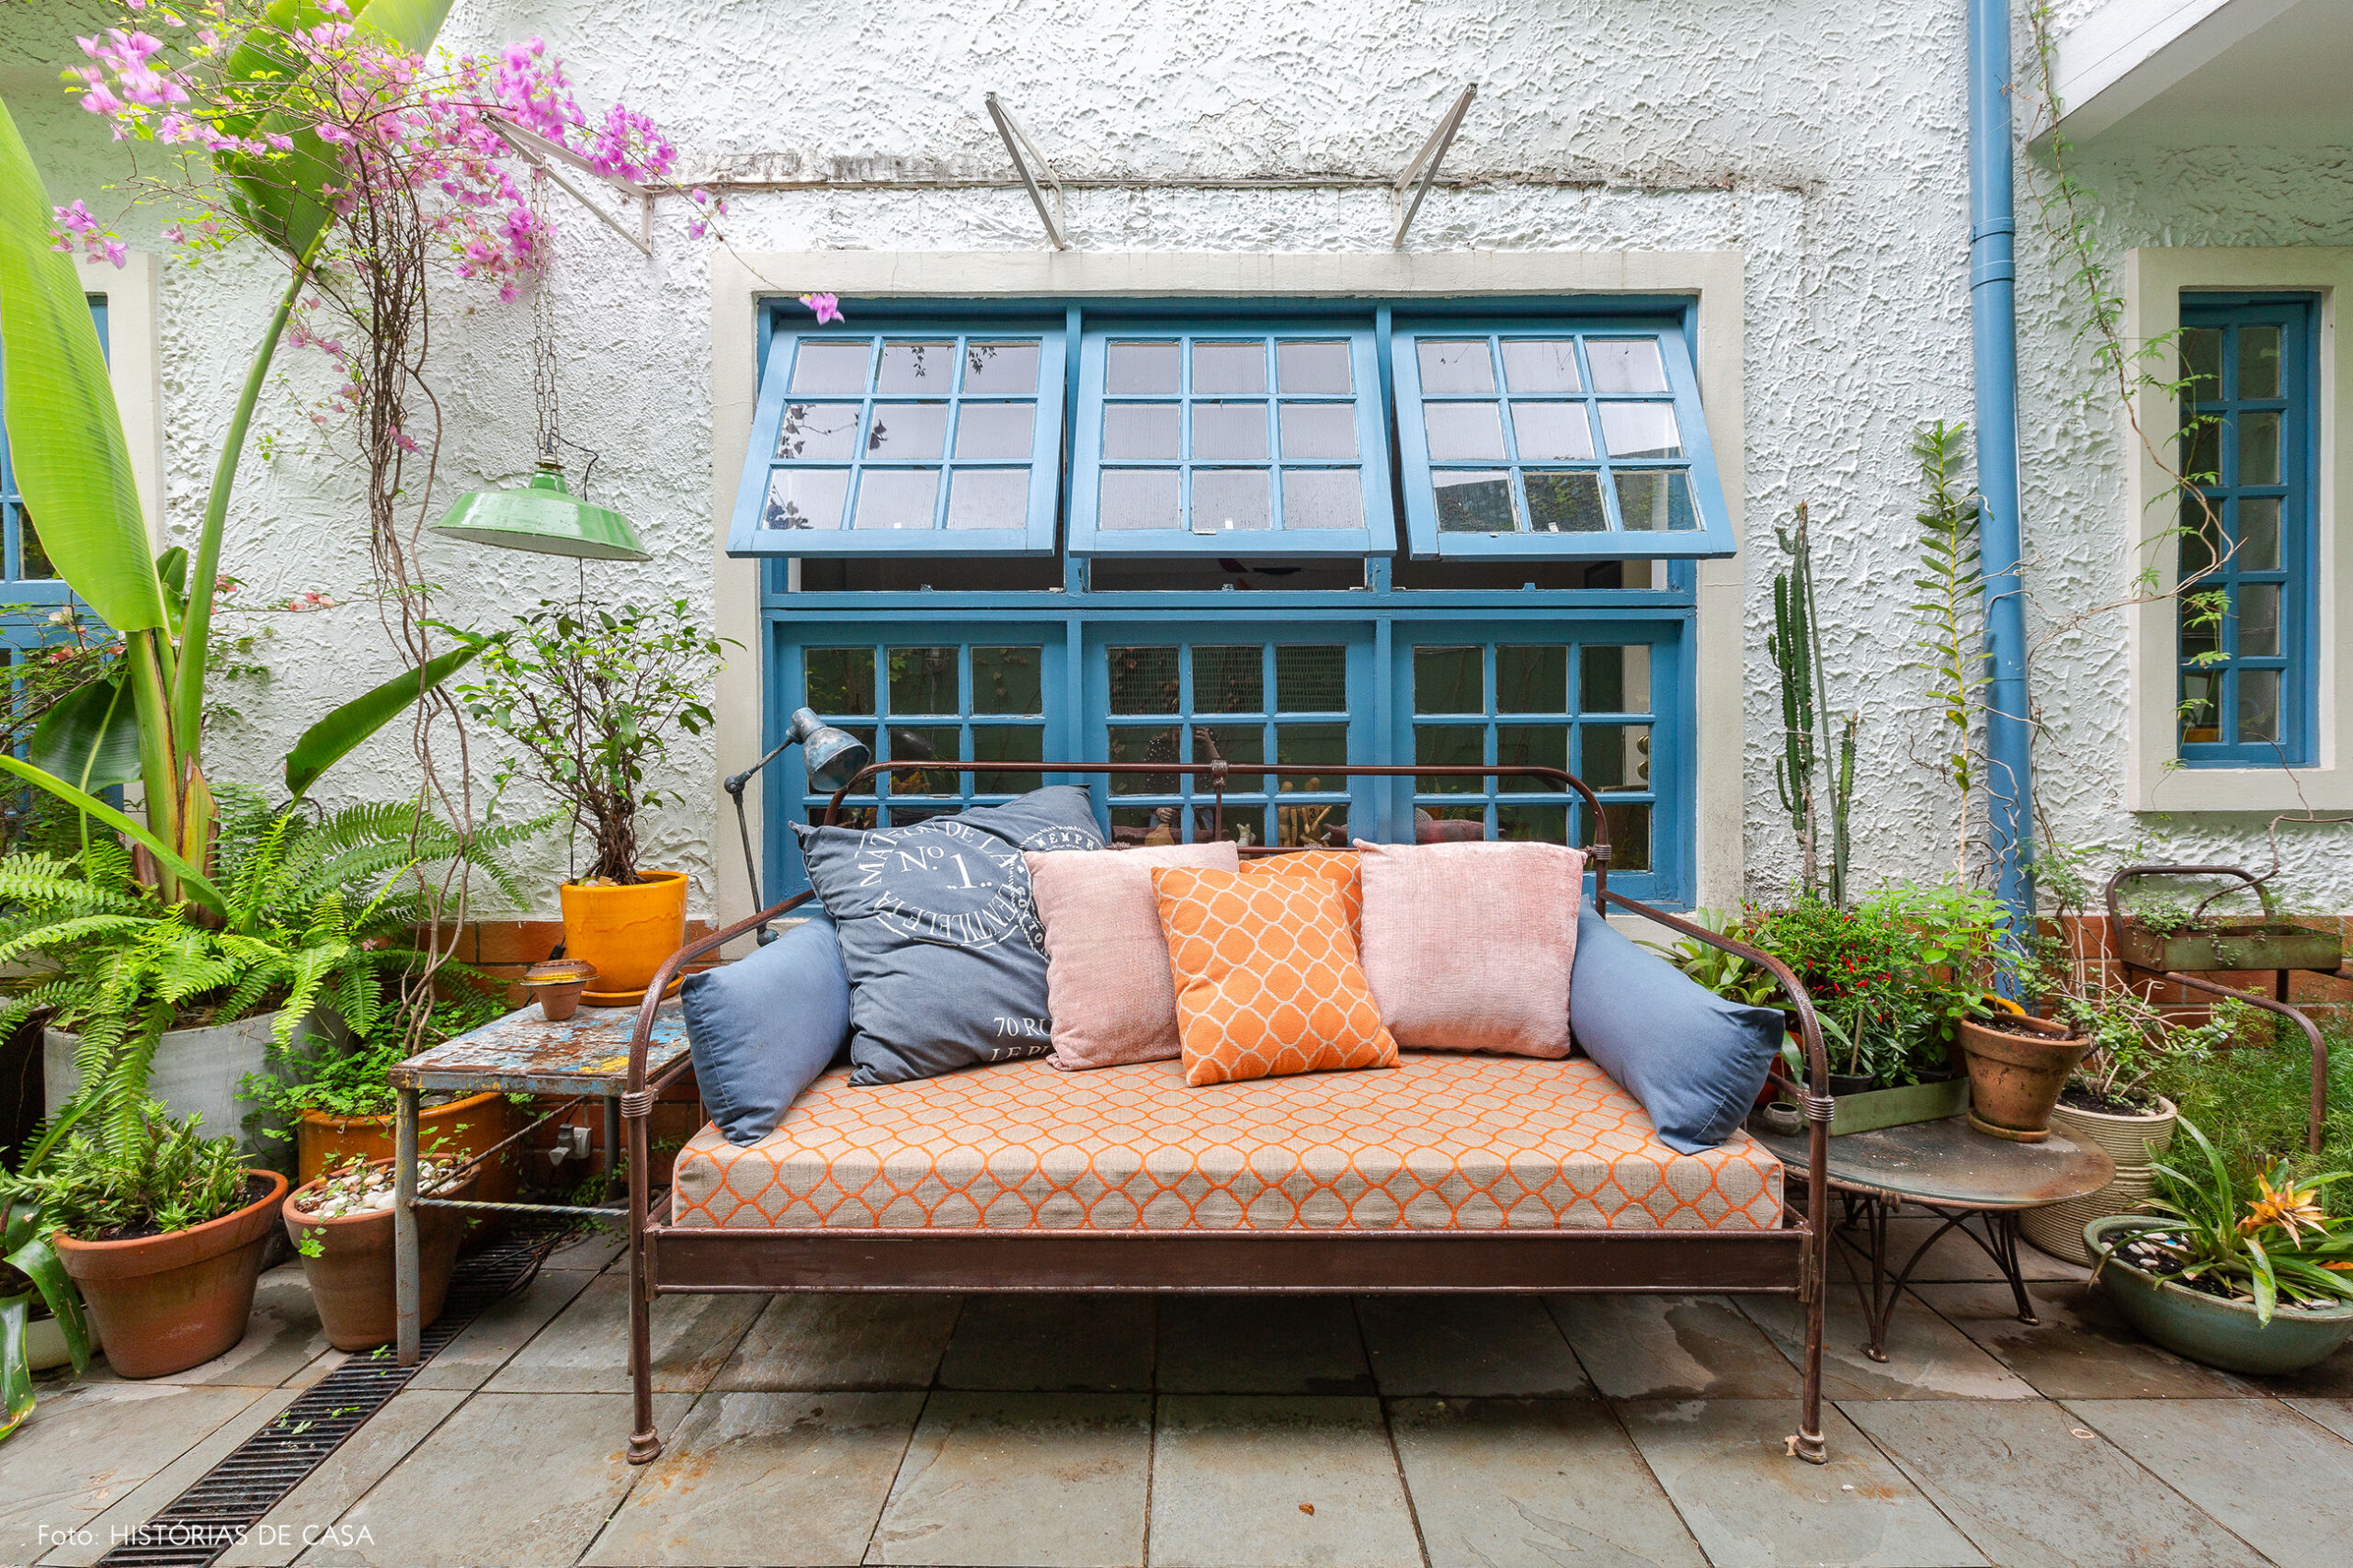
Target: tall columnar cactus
[1795,648]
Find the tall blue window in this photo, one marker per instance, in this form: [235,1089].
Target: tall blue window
[2246,554]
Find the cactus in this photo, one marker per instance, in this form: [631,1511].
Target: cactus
[1795,647]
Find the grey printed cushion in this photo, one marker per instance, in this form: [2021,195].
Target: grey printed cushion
[939,932]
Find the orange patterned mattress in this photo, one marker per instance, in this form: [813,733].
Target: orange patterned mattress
[1444,1141]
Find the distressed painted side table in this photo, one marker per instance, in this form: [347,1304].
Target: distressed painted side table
[585,1057]
[1956,1174]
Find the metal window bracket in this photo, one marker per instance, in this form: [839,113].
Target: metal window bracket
[1422,173]
[544,155]
[1031,165]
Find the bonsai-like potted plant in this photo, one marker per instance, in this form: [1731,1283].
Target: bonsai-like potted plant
[591,697]
[341,1225]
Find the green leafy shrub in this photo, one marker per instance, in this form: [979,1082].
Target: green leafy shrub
[353,1081]
[154,1177]
[2254,1100]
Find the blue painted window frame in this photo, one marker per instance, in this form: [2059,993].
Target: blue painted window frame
[748,535]
[2234,568]
[1713,538]
[1090,536]
[19,588]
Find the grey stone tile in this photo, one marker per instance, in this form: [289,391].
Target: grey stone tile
[282,1339]
[489,1342]
[2034,1488]
[849,1341]
[1727,1465]
[1927,1356]
[1534,1484]
[320,1365]
[142,1501]
[1957,1259]
[1037,1480]
[586,1350]
[2274,1478]
[1234,1479]
[1468,1346]
[1261,1344]
[589,1252]
[2333,1379]
[2336,1414]
[1051,1343]
[754,1478]
[524,1481]
[343,1478]
[1673,1347]
[86,1446]
[2081,1349]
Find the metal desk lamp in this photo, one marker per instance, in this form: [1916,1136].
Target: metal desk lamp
[832,757]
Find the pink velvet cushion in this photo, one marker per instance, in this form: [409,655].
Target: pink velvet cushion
[1467,946]
[1107,985]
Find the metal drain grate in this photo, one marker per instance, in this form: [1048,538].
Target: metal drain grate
[222,1505]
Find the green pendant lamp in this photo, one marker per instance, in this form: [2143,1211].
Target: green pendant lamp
[544,518]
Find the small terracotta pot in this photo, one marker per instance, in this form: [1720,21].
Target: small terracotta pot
[626,931]
[351,1279]
[166,1303]
[558,983]
[2015,1079]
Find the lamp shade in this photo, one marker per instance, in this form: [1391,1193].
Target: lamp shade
[831,757]
[545,517]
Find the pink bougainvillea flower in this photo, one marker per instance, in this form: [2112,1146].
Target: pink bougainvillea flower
[827,307]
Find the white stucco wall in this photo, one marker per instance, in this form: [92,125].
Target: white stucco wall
[1826,145]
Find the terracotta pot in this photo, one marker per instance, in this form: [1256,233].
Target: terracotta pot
[465,1127]
[2134,1143]
[626,931]
[351,1279]
[2015,1079]
[558,983]
[166,1303]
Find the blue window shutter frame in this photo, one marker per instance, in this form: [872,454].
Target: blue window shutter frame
[1711,537]
[22,589]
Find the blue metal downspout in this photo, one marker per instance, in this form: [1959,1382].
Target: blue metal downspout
[1993,312]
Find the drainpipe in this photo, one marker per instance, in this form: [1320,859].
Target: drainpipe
[1993,314]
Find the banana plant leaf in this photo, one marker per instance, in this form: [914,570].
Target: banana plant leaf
[16,1373]
[334,737]
[197,885]
[91,738]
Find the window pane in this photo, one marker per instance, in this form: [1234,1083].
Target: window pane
[1138,498]
[1449,746]
[1009,680]
[1449,680]
[1532,745]
[2201,716]
[1228,431]
[922,680]
[1322,498]
[1229,681]
[1459,430]
[995,429]
[1133,745]
[1319,429]
[907,432]
[1321,367]
[2196,542]
[1565,502]
[1142,430]
[1540,364]
[2258,447]
[1008,742]
[1231,743]
[2258,607]
[806,498]
[896,498]
[1614,678]
[32,556]
[1000,368]
[1452,367]
[839,681]
[988,498]
[1230,500]
[1145,368]
[1144,680]
[2201,362]
[1615,756]
[1533,824]
[2202,630]
[1629,835]
[2258,705]
[2202,447]
[1550,431]
[1311,745]
[1641,430]
[2258,362]
[1531,680]
[1311,679]
[1472,501]
[916,366]
[1626,365]
[830,366]
[1229,367]
[818,430]
[1656,499]
[2258,534]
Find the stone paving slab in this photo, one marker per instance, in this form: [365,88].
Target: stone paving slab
[1014,1480]
[790,1479]
[1261,1344]
[1468,1345]
[1673,1347]
[2081,1349]
[2034,1488]
[1957,1259]
[1050,1343]
[2277,1480]
[1277,1482]
[489,1342]
[590,1252]
[856,1340]
[87,1445]
[2333,1379]
[1726,1465]
[1927,1356]
[2336,1414]
[1533,1483]
[343,1478]
[142,1502]
[586,1349]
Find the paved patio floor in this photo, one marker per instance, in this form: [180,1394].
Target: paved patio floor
[1467,1432]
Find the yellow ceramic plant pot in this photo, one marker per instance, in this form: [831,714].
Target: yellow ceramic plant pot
[625,931]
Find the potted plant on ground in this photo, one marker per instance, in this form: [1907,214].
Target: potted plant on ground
[591,697]
[341,1225]
[2259,1282]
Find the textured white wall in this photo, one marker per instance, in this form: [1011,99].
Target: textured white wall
[1827,143]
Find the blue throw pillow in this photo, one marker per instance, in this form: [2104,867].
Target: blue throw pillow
[939,932]
[763,1027]
[1695,1060]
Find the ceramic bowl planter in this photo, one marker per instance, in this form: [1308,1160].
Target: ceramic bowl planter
[459,1130]
[351,1277]
[166,1303]
[2211,1330]
[2134,1143]
[2015,1071]
[625,931]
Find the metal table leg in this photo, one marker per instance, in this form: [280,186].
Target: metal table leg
[1870,1212]
[409,1333]
[612,1140]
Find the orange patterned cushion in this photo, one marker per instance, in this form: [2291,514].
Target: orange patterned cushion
[1268,982]
[1339,865]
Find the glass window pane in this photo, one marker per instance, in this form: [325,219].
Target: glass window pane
[922,680]
[1319,429]
[1532,745]
[2202,447]
[1140,368]
[838,681]
[988,498]
[1456,366]
[896,498]
[1474,501]
[2258,447]
[830,366]
[1138,498]
[1229,500]
[1614,678]
[1310,679]
[1532,679]
[805,498]
[1008,742]
[1626,365]
[818,431]
[2258,607]
[924,742]
[32,556]
[1231,743]
[2199,530]
[1449,746]
[1229,367]
[916,366]
[907,432]
[1229,680]
[1565,502]
[2201,692]
[1322,498]
[1311,745]
[2258,534]
[2258,362]
[1641,430]
[1142,430]
[1459,430]
[1551,431]
[1319,367]
[2201,362]
[1001,366]
[1009,680]
[2258,705]
[1629,835]
[1615,756]
[1449,680]
[1533,824]
[1655,499]
[1130,744]
[995,429]
[2199,612]
[1144,680]
[1227,432]
[1540,364]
